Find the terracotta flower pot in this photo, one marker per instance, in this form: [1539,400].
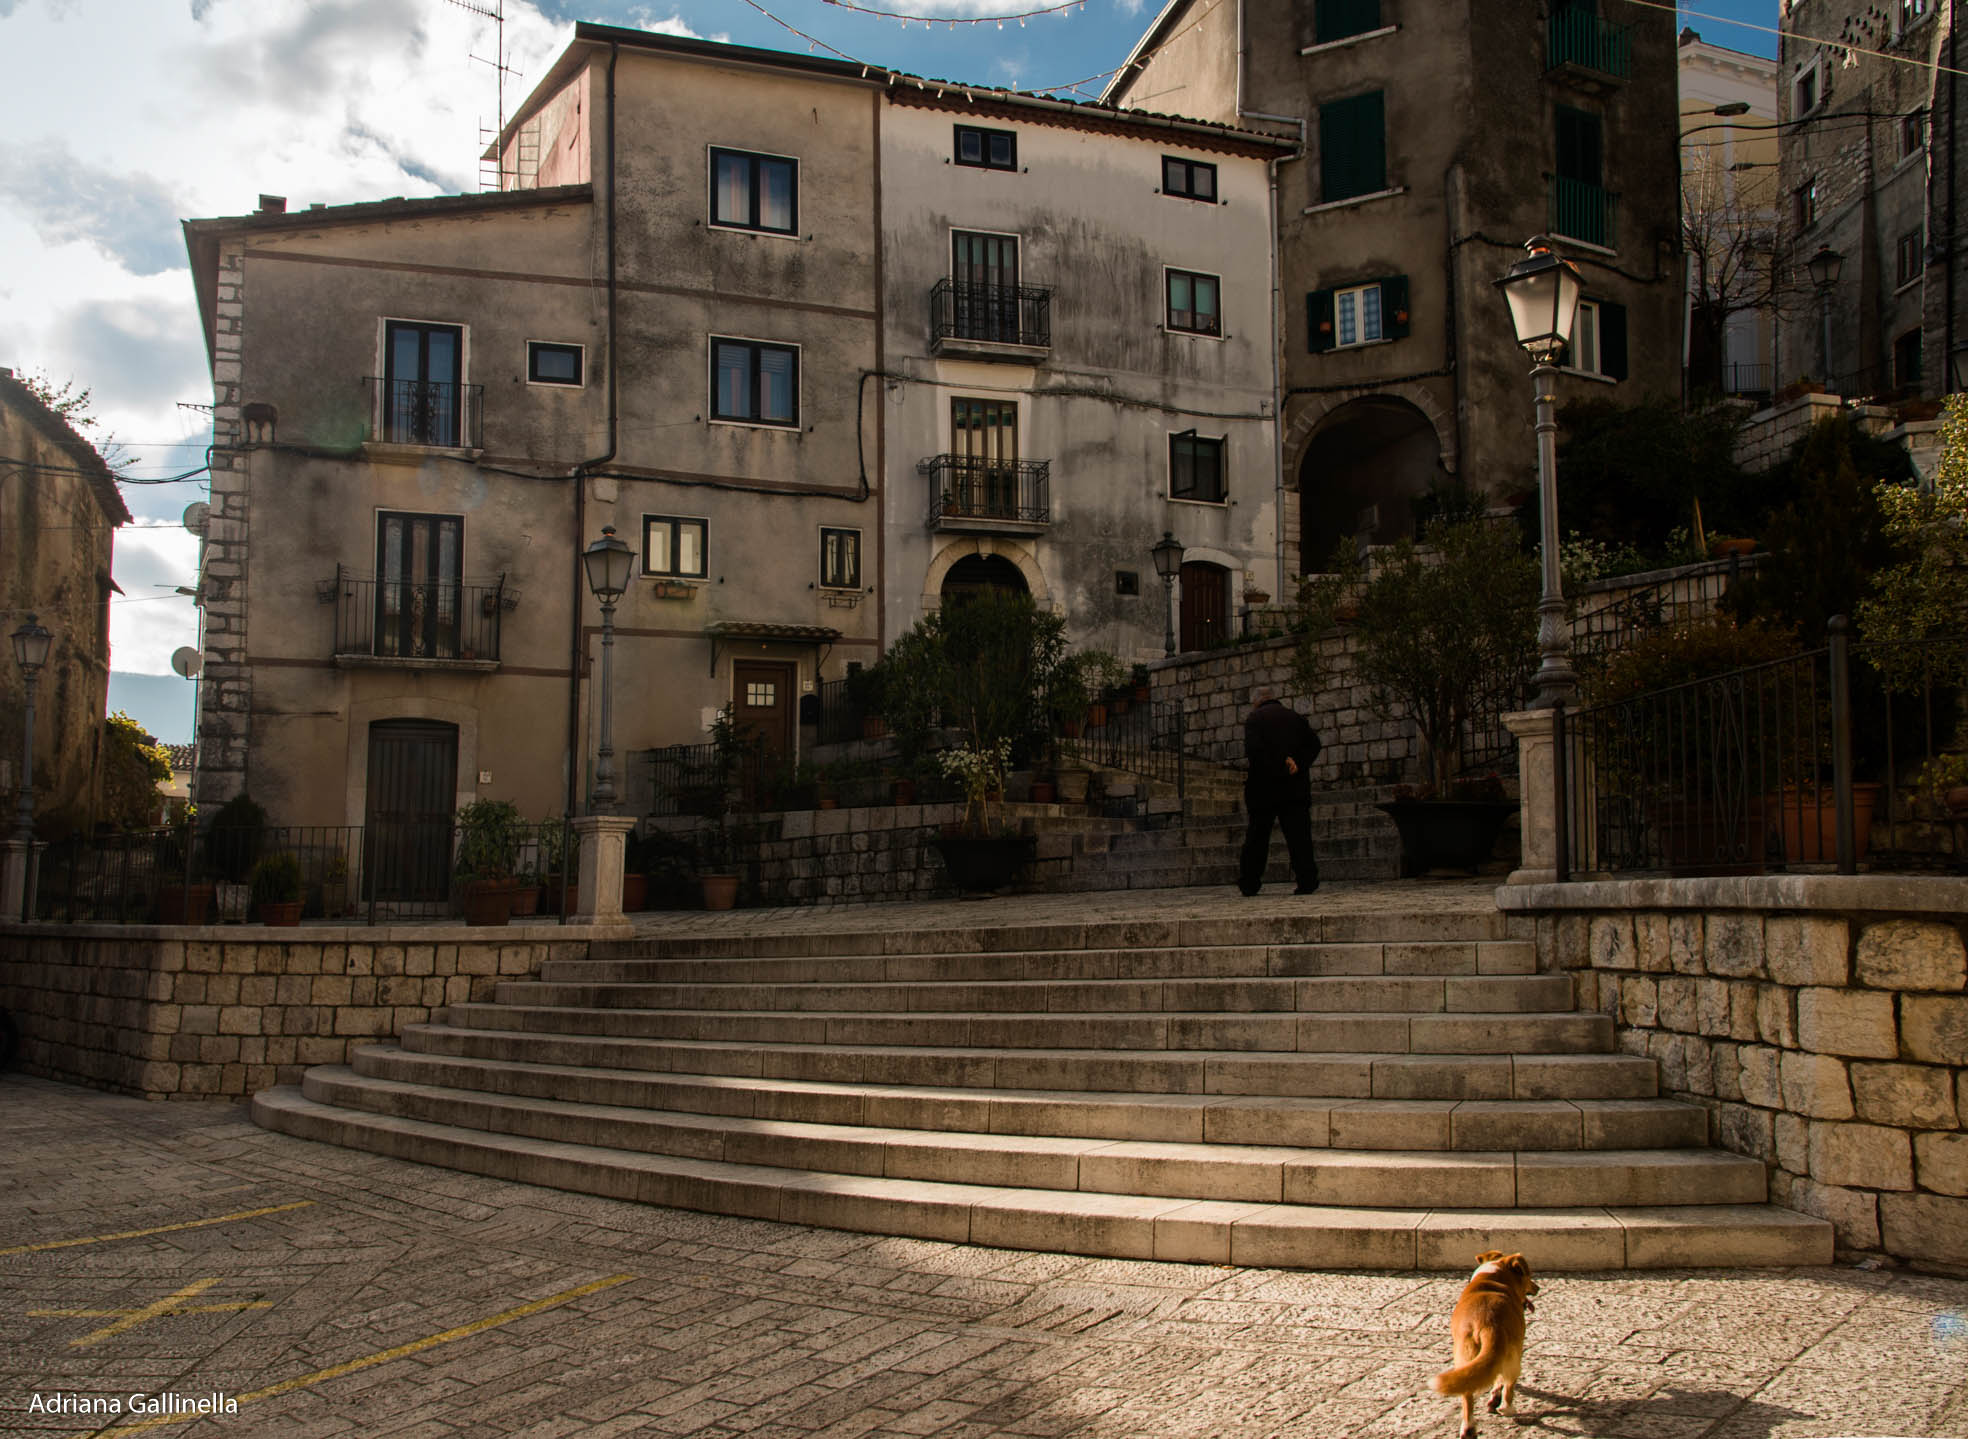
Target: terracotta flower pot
[720,890]
[181,904]
[284,912]
[905,791]
[1042,791]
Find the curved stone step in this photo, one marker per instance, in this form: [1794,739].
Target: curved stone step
[1578,1032]
[1267,1174]
[1461,1125]
[1117,1225]
[1419,1077]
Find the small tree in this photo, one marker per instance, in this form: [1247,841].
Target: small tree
[1439,626]
[1924,596]
[133,765]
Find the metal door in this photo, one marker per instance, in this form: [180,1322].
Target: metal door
[413,793]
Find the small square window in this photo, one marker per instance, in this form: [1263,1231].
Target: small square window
[1188,179]
[673,547]
[1196,468]
[756,382]
[840,559]
[754,192]
[1193,303]
[1357,316]
[548,364]
[1127,582]
[987,149]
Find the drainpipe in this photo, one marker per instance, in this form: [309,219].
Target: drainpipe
[1277,304]
[1948,246]
[578,645]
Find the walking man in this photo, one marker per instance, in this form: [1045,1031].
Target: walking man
[1280,746]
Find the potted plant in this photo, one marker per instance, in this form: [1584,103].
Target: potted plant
[276,886]
[181,897]
[732,749]
[980,859]
[1440,626]
[232,847]
[335,886]
[1138,682]
[489,832]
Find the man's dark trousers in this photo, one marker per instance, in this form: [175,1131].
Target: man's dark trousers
[1296,821]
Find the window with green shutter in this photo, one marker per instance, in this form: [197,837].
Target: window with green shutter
[1352,147]
[1336,19]
[1362,314]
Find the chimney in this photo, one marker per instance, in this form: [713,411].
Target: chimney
[273,204]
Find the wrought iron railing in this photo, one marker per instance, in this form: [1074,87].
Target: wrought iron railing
[428,620]
[1740,379]
[684,778]
[1142,737]
[349,874]
[843,712]
[963,488]
[427,412]
[1584,211]
[1577,36]
[994,314]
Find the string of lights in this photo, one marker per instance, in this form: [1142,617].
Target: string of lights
[1846,46]
[905,16]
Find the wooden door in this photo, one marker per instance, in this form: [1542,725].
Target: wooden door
[764,706]
[1205,606]
[412,795]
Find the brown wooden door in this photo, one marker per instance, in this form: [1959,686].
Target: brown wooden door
[764,705]
[1205,606]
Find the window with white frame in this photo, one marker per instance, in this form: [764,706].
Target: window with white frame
[674,546]
[1598,344]
[754,192]
[1807,87]
[754,381]
[553,364]
[1196,468]
[840,559]
[1356,316]
[1193,303]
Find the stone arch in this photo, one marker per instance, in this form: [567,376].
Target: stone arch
[946,559]
[1312,410]
[1363,462]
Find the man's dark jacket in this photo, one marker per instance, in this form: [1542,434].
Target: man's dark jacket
[1271,733]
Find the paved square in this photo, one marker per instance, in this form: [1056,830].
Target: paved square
[324,1292]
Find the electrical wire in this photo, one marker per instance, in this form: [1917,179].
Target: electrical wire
[1846,46]
[955,20]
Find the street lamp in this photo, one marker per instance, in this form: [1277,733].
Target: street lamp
[1824,267]
[1543,292]
[1168,564]
[608,562]
[31,644]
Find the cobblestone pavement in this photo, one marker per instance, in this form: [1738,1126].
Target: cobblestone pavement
[328,1292]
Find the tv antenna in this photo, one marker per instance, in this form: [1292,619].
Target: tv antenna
[496,13]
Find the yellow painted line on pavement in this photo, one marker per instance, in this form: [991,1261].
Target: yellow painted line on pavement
[416,1346]
[130,1318]
[161,1229]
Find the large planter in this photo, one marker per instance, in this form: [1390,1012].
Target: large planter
[1807,822]
[283,913]
[232,901]
[184,904]
[1699,836]
[488,902]
[983,864]
[635,892]
[720,890]
[1447,833]
[526,901]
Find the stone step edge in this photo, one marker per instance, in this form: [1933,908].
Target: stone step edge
[1113,1226]
[1241,1172]
[1009,1104]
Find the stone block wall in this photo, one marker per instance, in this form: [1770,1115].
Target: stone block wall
[1822,1021]
[155,1013]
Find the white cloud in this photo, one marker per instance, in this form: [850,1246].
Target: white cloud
[147,621]
[645,19]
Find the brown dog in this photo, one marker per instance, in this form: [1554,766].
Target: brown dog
[1488,1330]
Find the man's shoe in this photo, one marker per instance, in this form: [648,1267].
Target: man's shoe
[1307,888]
[1248,891]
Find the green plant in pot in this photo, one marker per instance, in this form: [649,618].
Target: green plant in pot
[276,887]
[489,836]
[184,893]
[734,749]
[233,844]
[335,886]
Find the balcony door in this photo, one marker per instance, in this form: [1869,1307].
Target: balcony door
[423,374]
[419,575]
[984,439]
[985,269]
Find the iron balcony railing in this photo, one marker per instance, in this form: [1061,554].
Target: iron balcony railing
[421,620]
[992,314]
[1747,379]
[427,412]
[965,488]
[1576,36]
[1584,211]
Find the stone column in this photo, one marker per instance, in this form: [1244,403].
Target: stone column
[603,841]
[15,897]
[1537,775]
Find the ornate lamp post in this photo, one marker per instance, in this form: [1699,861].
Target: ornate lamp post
[31,644]
[608,562]
[1168,564]
[1543,292]
[1824,267]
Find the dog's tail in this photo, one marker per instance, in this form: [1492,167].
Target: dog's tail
[1473,1377]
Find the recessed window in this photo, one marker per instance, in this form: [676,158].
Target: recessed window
[673,547]
[840,559]
[754,192]
[1353,147]
[424,401]
[754,381]
[1193,303]
[1127,582]
[1357,316]
[1804,205]
[1598,344]
[1906,361]
[1913,133]
[1907,253]
[987,149]
[1336,19]
[549,364]
[1807,89]
[1188,179]
[1196,467]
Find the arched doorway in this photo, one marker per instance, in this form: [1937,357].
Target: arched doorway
[1364,468]
[973,573]
[1205,606]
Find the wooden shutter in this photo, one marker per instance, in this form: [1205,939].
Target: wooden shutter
[1319,330]
[1352,147]
[1336,19]
[1394,307]
[1612,340]
[1580,151]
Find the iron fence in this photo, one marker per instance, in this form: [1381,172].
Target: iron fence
[993,313]
[427,412]
[684,779]
[963,487]
[1577,36]
[346,874]
[1146,738]
[431,620]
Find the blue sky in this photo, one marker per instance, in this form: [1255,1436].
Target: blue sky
[128,115]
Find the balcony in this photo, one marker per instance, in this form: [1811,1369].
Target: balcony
[402,624]
[1581,211]
[990,322]
[1591,49]
[428,413]
[973,496]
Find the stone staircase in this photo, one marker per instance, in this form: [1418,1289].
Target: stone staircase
[1320,1091]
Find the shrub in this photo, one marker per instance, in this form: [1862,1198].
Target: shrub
[276,879]
[236,837]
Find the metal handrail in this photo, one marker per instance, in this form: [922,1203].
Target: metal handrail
[992,313]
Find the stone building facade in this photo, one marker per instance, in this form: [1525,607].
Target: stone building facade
[1438,135]
[59,512]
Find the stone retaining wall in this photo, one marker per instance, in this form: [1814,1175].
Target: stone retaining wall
[1821,1020]
[168,1013]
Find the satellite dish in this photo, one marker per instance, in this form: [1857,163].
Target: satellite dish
[187,661]
[195,516]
